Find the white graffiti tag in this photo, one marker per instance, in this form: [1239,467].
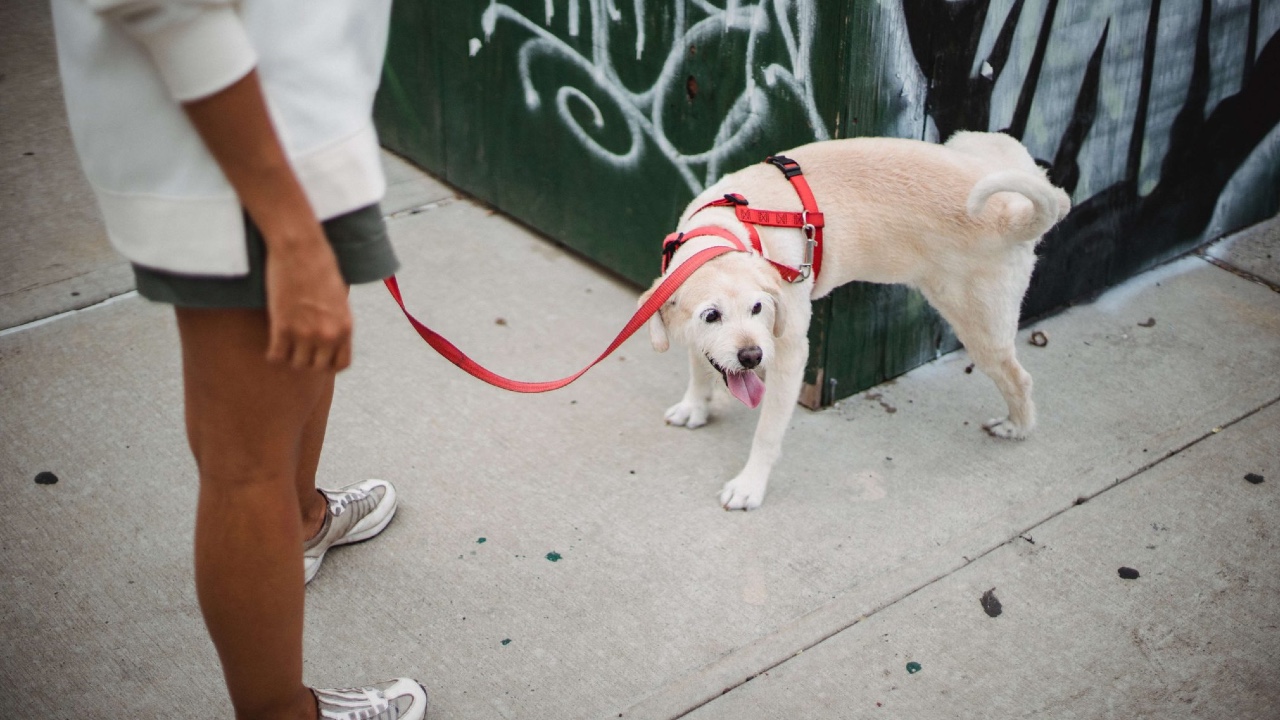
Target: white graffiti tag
[696,22]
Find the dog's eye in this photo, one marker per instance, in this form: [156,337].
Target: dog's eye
[755,309]
[711,316]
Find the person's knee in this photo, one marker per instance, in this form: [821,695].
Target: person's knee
[231,470]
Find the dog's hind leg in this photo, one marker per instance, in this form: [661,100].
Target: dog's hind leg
[984,314]
[1002,366]
[786,375]
[693,409]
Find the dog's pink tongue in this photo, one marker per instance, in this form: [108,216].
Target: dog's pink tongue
[746,386]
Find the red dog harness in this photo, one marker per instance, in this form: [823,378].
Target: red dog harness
[809,221]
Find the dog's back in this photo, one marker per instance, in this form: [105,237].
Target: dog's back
[995,150]
[920,203]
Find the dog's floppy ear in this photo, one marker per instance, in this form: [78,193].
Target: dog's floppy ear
[779,314]
[657,326]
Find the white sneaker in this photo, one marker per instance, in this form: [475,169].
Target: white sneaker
[356,512]
[400,699]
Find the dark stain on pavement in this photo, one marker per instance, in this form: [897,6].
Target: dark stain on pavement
[877,397]
[990,604]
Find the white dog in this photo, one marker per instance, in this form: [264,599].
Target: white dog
[957,221]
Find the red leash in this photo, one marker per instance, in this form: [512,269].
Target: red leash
[651,306]
[809,221]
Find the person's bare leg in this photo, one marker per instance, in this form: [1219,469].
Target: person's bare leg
[310,502]
[245,423]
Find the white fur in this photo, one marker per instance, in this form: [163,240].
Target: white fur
[957,221]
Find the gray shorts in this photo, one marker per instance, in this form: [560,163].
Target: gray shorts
[359,240]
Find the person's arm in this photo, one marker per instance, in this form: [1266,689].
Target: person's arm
[307,307]
[204,57]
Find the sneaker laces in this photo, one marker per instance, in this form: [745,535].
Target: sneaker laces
[338,501]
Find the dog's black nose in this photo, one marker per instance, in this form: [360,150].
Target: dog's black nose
[750,356]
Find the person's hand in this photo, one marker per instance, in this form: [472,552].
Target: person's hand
[307,313]
[307,310]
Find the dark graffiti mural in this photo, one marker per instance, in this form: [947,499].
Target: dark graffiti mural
[1160,117]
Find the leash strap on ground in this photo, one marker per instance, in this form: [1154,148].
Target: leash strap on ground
[451,353]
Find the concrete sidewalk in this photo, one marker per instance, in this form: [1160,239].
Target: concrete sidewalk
[53,250]
[563,555]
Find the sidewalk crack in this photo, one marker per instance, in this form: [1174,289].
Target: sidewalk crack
[1237,271]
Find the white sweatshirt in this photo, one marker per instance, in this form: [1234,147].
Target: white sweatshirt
[127,65]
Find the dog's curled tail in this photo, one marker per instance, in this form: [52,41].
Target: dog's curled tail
[1049,204]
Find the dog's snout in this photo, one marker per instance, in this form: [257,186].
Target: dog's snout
[750,356]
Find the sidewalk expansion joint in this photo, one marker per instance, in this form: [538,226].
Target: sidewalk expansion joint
[1237,271]
[59,316]
[419,209]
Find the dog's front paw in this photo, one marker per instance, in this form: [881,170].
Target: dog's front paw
[689,414]
[743,493]
[1005,428]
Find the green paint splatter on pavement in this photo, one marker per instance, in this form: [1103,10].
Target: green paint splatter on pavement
[914,667]
[482,541]
[553,556]
[507,641]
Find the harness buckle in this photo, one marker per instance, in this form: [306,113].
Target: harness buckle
[669,248]
[790,168]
